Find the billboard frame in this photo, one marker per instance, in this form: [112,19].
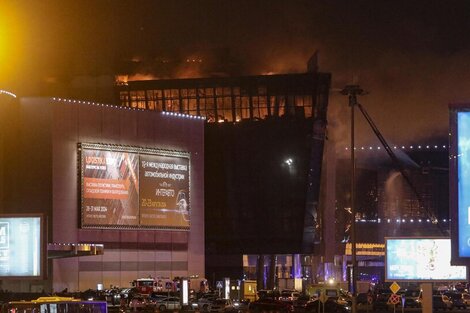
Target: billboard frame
[419,280]
[42,245]
[129,149]
[454,109]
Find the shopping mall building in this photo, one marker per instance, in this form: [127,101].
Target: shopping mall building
[215,177]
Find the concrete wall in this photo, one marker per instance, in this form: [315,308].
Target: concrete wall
[54,128]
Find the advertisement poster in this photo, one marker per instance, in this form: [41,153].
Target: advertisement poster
[164,191]
[109,188]
[463,148]
[424,259]
[20,247]
[126,187]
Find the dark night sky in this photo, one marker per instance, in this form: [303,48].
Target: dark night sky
[412,56]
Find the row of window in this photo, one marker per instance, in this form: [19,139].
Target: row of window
[201,92]
[218,104]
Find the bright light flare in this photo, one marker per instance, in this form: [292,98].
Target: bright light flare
[12,27]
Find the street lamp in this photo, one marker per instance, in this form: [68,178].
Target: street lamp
[352,91]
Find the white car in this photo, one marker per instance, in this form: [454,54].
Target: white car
[169,303]
[204,303]
[222,305]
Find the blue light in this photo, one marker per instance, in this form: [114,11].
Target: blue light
[463,179]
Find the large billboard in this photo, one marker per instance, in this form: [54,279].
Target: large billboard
[22,248]
[421,259]
[124,187]
[164,190]
[459,163]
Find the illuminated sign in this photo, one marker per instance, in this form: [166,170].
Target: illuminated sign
[21,247]
[134,187]
[421,259]
[109,188]
[366,249]
[226,288]
[184,291]
[459,182]
[164,190]
[463,172]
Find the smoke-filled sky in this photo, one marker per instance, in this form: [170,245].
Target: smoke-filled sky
[413,57]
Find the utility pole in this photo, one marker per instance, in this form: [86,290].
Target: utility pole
[352,91]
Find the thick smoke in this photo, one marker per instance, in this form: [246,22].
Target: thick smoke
[413,57]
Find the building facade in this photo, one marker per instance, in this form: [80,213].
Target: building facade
[229,99]
[82,164]
[264,144]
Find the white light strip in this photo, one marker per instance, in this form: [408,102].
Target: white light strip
[400,220]
[176,114]
[11,94]
[97,104]
[424,147]
[36,257]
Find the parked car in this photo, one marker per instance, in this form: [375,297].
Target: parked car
[460,287]
[457,299]
[343,299]
[361,298]
[441,302]
[138,303]
[301,302]
[169,303]
[270,304]
[222,305]
[91,295]
[112,296]
[381,300]
[330,306]
[263,293]
[154,296]
[412,298]
[203,303]
[289,295]
[466,298]
[125,293]
[241,305]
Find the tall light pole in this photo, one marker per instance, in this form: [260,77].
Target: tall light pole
[352,91]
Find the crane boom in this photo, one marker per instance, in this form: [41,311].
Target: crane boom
[398,165]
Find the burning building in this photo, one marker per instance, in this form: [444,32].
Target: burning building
[264,141]
[272,205]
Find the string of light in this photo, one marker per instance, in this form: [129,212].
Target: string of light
[400,220]
[176,114]
[95,104]
[422,147]
[8,93]
[173,114]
